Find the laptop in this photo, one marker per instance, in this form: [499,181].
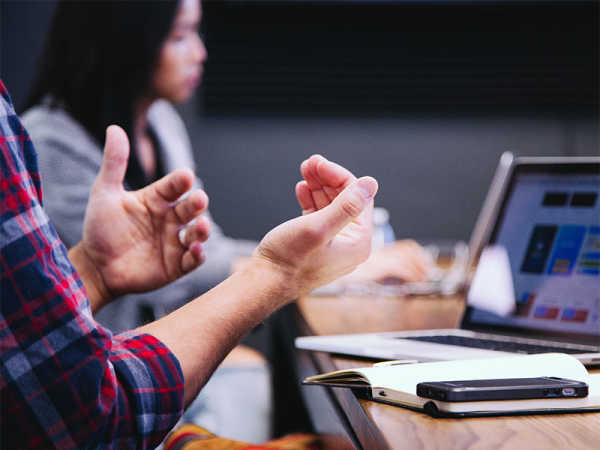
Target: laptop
[548,225]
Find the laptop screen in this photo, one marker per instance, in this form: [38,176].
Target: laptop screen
[549,227]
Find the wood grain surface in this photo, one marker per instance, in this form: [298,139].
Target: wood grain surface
[362,314]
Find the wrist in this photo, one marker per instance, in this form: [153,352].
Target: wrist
[98,293]
[276,281]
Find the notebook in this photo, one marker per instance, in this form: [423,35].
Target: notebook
[548,229]
[395,384]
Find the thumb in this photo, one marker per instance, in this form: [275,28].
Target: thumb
[347,206]
[116,156]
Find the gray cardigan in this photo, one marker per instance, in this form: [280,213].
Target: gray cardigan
[69,159]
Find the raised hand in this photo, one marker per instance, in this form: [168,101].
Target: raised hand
[329,240]
[131,238]
[404,260]
[334,234]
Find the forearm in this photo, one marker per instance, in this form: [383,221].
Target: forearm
[202,332]
[92,280]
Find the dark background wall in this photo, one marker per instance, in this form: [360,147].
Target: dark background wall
[423,95]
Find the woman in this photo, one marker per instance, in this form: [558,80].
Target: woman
[125,62]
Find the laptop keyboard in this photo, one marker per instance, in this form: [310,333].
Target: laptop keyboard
[491,344]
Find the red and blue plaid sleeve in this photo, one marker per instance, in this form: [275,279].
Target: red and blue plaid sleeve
[65,381]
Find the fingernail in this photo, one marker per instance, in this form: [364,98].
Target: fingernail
[367,187]
[181,235]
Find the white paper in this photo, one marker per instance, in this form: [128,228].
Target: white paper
[492,287]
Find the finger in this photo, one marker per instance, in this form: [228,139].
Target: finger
[407,250]
[333,175]
[408,273]
[418,258]
[320,199]
[308,169]
[420,265]
[191,206]
[309,172]
[331,192]
[115,159]
[346,207]
[192,258]
[328,179]
[197,231]
[304,197]
[170,187]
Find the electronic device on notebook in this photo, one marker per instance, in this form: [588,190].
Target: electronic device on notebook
[548,226]
[502,389]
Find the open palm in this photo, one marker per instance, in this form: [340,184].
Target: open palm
[132,236]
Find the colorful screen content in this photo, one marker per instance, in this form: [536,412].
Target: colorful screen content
[551,232]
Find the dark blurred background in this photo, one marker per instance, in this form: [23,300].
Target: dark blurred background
[423,95]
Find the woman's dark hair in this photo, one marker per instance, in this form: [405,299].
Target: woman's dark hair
[98,60]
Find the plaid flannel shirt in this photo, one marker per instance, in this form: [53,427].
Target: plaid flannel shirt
[65,381]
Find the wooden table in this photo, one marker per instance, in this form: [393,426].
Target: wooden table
[351,422]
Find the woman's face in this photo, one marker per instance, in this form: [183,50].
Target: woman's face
[181,57]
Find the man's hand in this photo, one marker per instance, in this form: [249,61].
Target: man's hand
[334,234]
[130,238]
[331,238]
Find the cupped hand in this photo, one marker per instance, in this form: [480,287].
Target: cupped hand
[132,237]
[405,260]
[333,235]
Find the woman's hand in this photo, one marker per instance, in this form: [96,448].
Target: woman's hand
[403,260]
